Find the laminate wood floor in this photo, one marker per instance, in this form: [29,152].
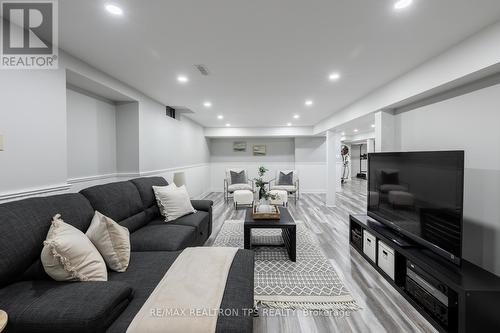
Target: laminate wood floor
[383,309]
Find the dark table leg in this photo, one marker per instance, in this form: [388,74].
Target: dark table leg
[247,236]
[289,235]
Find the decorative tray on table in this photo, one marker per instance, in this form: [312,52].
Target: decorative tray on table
[265,212]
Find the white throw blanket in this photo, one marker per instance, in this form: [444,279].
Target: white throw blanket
[188,297]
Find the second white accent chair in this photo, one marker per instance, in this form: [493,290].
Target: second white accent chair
[286,180]
[236,179]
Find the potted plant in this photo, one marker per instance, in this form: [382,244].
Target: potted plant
[264,195]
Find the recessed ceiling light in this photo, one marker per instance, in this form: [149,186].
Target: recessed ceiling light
[402,4]
[207,104]
[334,76]
[343,133]
[220,117]
[309,102]
[373,125]
[228,124]
[356,130]
[182,79]
[289,124]
[114,9]
[296,116]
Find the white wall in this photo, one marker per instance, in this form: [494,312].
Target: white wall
[127,138]
[307,155]
[91,130]
[33,124]
[167,142]
[469,122]
[280,155]
[278,150]
[310,162]
[33,121]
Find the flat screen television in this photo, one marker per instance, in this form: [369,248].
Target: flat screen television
[420,195]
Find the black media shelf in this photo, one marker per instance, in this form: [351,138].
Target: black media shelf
[473,293]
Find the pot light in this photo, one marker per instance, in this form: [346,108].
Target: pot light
[343,133]
[207,104]
[289,124]
[228,124]
[309,102]
[356,130]
[114,9]
[373,125]
[402,4]
[220,117]
[296,116]
[334,76]
[182,79]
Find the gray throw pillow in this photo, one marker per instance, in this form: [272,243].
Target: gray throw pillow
[286,180]
[238,177]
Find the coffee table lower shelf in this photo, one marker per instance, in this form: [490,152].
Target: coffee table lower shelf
[288,232]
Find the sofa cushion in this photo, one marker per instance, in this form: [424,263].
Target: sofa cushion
[238,293]
[163,237]
[199,220]
[49,306]
[283,188]
[145,271]
[119,201]
[23,228]
[145,187]
[236,187]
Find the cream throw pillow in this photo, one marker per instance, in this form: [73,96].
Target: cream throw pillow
[112,240]
[68,255]
[173,201]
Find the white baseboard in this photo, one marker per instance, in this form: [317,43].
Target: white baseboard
[313,191]
[201,196]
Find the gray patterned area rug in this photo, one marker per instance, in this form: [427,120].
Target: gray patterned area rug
[311,283]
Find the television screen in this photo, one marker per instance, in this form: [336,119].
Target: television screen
[420,194]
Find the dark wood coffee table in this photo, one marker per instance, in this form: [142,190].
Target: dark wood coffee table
[285,223]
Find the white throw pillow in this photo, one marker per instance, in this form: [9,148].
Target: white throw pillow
[111,240]
[173,201]
[68,255]
[162,189]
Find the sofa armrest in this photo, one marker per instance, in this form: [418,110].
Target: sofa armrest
[206,206]
[61,307]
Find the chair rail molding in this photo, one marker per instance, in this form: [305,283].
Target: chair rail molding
[179,168]
[31,192]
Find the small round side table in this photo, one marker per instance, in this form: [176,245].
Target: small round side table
[3,320]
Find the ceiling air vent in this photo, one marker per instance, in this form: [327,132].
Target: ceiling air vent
[202,69]
[170,112]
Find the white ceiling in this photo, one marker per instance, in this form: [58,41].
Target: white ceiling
[358,126]
[265,57]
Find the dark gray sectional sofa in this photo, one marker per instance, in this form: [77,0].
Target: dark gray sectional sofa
[36,303]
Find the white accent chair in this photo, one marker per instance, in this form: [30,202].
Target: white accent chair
[291,189]
[229,187]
